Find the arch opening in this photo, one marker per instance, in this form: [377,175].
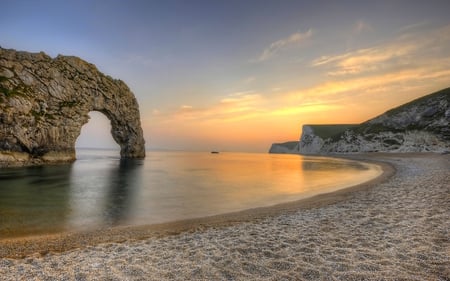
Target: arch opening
[96,134]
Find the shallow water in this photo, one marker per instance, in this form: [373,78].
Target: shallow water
[101,190]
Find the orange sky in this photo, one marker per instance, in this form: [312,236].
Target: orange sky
[240,75]
[350,87]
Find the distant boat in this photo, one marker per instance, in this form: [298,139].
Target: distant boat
[215,152]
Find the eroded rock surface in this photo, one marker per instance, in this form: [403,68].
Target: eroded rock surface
[44,102]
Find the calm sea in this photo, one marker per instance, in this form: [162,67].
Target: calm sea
[101,190]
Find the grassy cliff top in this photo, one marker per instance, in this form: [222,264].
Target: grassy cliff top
[445,93]
[330,130]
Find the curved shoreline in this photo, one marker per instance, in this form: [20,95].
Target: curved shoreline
[61,242]
[398,229]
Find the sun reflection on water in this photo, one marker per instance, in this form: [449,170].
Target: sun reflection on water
[101,190]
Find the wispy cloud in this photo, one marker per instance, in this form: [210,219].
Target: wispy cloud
[281,44]
[241,93]
[344,90]
[351,86]
[304,108]
[361,26]
[249,79]
[186,107]
[418,59]
[413,27]
[407,50]
[365,60]
[236,106]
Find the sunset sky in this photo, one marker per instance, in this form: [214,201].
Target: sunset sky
[240,75]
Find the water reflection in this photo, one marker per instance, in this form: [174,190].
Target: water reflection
[185,185]
[34,200]
[101,190]
[85,194]
[124,181]
[331,164]
[341,172]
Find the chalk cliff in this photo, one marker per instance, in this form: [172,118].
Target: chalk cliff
[418,126]
[45,101]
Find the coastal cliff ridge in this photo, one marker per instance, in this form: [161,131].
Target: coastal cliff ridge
[422,125]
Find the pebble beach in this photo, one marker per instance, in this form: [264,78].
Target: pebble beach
[394,228]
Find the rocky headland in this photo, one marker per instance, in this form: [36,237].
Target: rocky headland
[45,101]
[422,125]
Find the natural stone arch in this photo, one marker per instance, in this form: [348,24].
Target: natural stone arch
[44,102]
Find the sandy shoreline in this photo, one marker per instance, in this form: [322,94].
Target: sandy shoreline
[393,228]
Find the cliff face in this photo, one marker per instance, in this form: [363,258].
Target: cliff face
[419,126]
[44,102]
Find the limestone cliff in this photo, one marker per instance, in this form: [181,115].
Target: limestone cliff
[419,126]
[44,102]
[314,137]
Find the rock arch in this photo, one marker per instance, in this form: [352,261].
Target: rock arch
[44,102]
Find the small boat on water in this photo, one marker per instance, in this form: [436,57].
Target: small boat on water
[214,152]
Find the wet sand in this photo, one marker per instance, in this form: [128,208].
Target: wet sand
[396,227]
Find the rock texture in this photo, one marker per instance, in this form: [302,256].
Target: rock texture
[419,126]
[44,102]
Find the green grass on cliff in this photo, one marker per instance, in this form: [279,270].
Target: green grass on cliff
[330,131]
[290,144]
[424,99]
[377,127]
